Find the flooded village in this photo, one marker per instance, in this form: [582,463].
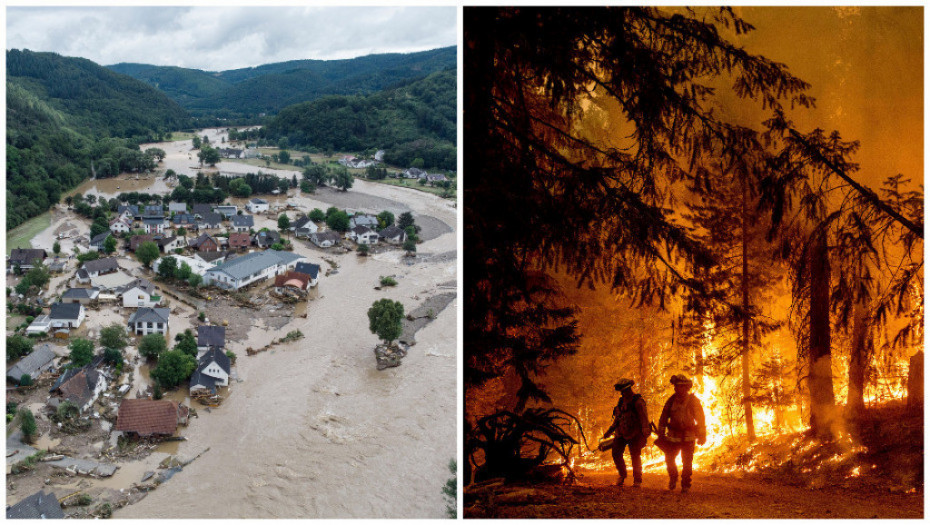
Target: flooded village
[218,360]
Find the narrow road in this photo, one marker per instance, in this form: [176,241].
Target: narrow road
[711,496]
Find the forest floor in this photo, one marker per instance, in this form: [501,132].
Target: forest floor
[711,496]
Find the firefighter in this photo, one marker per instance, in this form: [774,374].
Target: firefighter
[630,428]
[681,424]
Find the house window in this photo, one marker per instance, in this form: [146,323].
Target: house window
[150,325]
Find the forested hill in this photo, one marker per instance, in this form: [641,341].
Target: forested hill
[417,120]
[64,114]
[245,93]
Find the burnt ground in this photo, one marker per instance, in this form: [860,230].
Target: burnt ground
[711,496]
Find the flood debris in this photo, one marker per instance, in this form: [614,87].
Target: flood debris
[389,356]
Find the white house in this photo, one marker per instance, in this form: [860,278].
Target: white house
[362,235]
[121,225]
[39,360]
[139,294]
[313,270]
[99,267]
[177,207]
[146,321]
[257,205]
[226,211]
[369,221]
[66,315]
[198,266]
[414,173]
[324,239]
[251,267]
[242,223]
[153,225]
[393,235]
[210,337]
[40,325]
[303,226]
[213,369]
[169,244]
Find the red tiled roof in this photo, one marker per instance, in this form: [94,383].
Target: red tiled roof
[147,417]
[136,240]
[239,239]
[284,279]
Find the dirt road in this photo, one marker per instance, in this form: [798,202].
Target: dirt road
[711,496]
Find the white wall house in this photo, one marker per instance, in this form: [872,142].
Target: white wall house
[257,205]
[145,321]
[198,266]
[213,369]
[252,267]
[120,226]
[153,226]
[139,294]
[66,315]
[363,235]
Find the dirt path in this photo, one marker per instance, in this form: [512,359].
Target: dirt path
[711,496]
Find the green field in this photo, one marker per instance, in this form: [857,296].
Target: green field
[20,236]
[179,136]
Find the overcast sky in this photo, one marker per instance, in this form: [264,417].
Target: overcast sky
[220,38]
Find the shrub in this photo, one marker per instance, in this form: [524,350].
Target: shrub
[202,316]
[28,424]
[388,281]
[25,380]
[152,346]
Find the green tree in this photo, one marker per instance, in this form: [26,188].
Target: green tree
[277,246]
[109,245]
[330,211]
[56,248]
[17,346]
[307,186]
[182,232]
[284,222]
[338,221]
[316,174]
[168,267]
[82,352]
[184,272]
[385,219]
[404,220]
[385,319]
[194,280]
[186,342]
[196,142]
[152,345]
[284,157]
[410,246]
[27,424]
[418,163]
[363,249]
[112,356]
[174,366]
[113,336]
[317,215]
[343,179]
[25,380]
[450,492]
[208,155]
[92,255]
[147,252]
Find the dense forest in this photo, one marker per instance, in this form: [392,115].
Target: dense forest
[409,122]
[249,92]
[65,115]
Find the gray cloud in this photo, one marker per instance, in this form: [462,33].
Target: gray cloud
[220,38]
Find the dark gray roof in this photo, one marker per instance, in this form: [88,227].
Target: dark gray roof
[143,284]
[133,209]
[246,265]
[300,222]
[154,221]
[391,231]
[166,240]
[65,311]
[37,506]
[183,218]
[100,237]
[211,336]
[256,200]
[313,270]
[212,218]
[101,265]
[82,274]
[214,354]
[199,379]
[150,315]
[200,240]
[360,230]
[39,357]
[327,235]
[212,256]
[267,238]
[154,210]
[26,256]
[81,293]
[243,221]
[201,209]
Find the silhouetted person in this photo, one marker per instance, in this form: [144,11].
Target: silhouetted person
[683,419]
[630,428]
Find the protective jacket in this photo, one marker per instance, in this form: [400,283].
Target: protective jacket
[630,419]
[683,419]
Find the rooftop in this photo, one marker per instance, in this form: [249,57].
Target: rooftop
[250,263]
[147,417]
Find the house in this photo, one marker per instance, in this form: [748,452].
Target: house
[66,315]
[177,207]
[230,153]
[210,337]
[393,235]
[213,258]
[239,241]
[196,265]
[251,153]
[153,211]
[41,359]
[252,267]
[153,225]
[435,177]
[313,270]
[292,281]
[25,259]
[40,325]
[209,221]
[80,386]
[348,161]
[369,221]
[58,265]
[169,244]
[257,205]
[80,295]
[324,239]
[204,243]
[132,210]
[242,223]
[213,369]
[201,208]
[140,293]
[147,417]
[226,211]
[136,240]
[146,321]
[99,267]
[39,506]
[414,173]
[379,155]
[98,241]
[265,239]
[184,220]
[362,235]
[120,225]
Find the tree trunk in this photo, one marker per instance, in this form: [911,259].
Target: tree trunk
[915,381]
[642,353]
[820,375]
[747,391]
[858,360]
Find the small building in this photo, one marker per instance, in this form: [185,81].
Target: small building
[213,258]
[148,417]
[239,241]
[40,325]
[414,173]
[257,205]
[66,315]
[204,243]
[226,210]
[435,177]
[136,240]
[265,239]
[294,281]
[393,235]
[153,225]
[210,337]
[145,321]
[242,223]
[210,221]
[303,227]
[153,211]
[177,207]
[132,210]
[39,506]
[184,220]
[197,265]
[80,295]
[57,265]
[169,244]
[41,359]
[25,259]
[120,225]
[249,268]
[230,153]
[310,269]
[325,239]
[80,386]
[97,241]
[99,267]
[369,221]
[140,293]
[362,235]
[201,209]
[213,369]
